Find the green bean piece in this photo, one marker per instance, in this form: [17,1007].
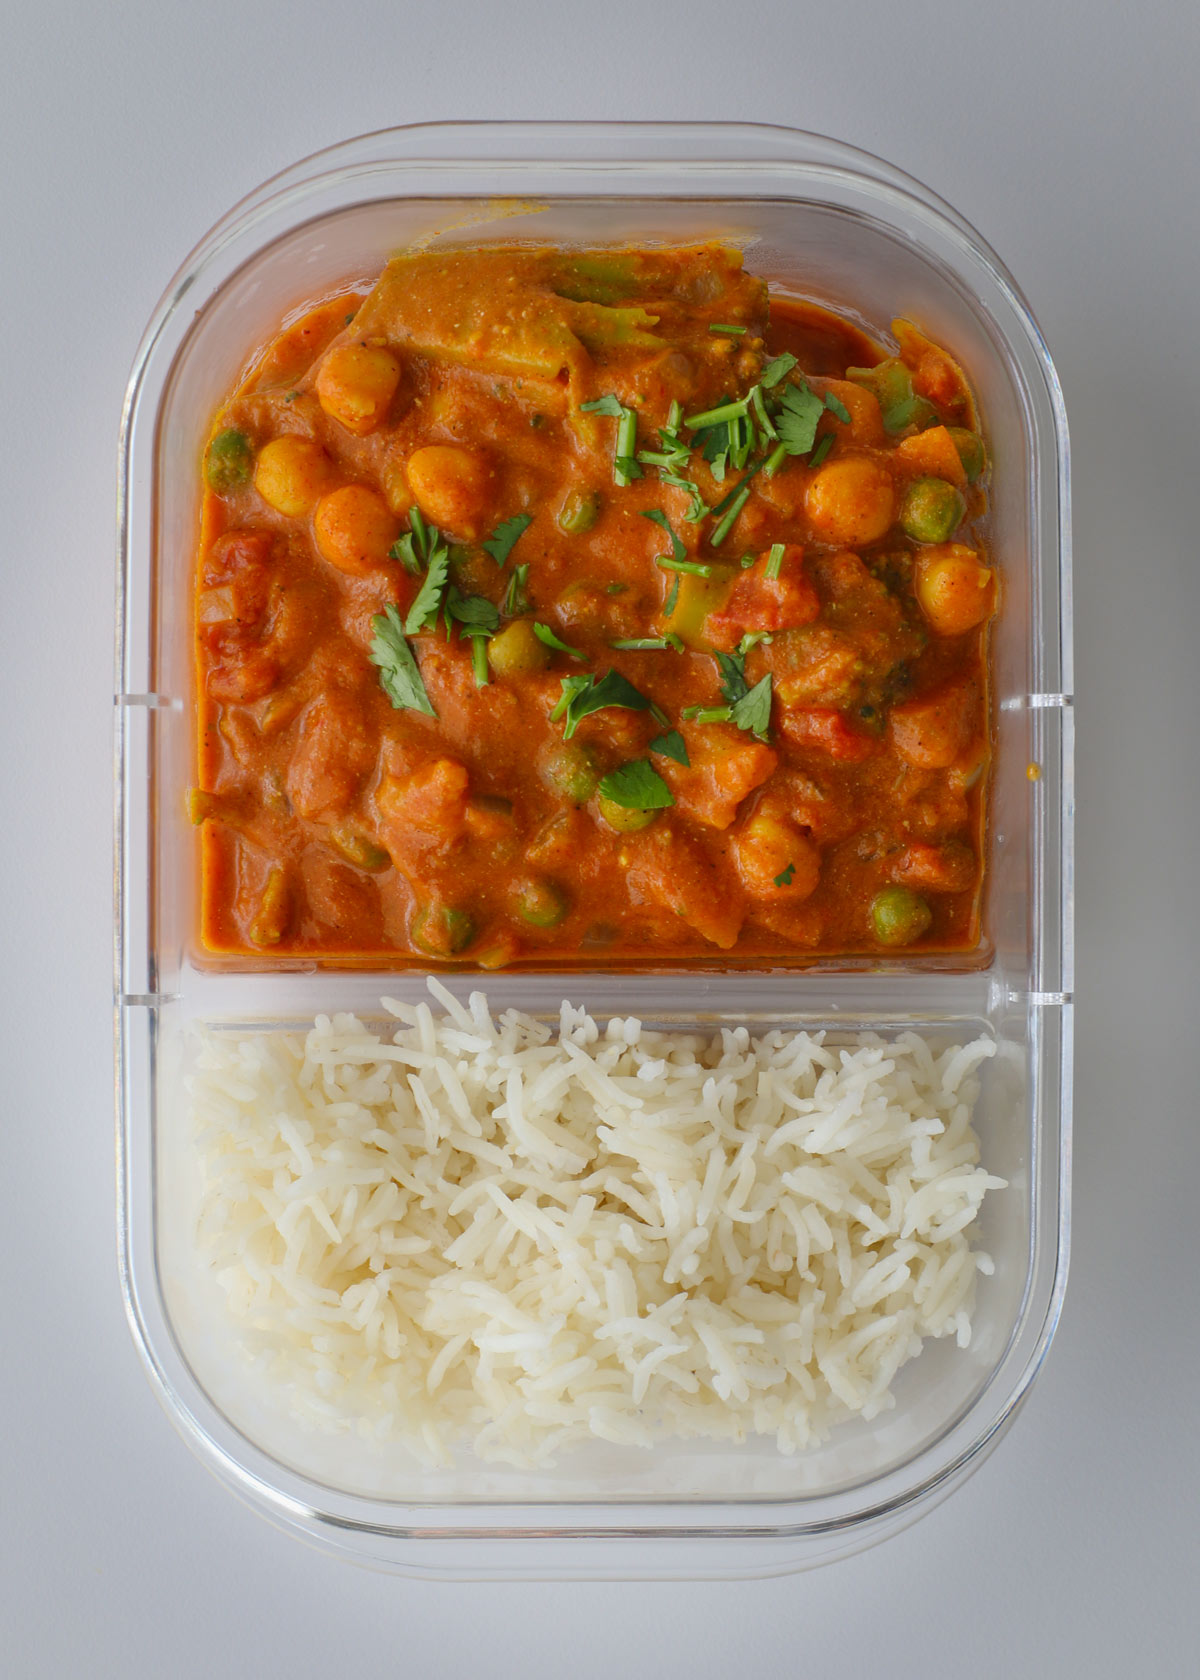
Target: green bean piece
[515,651]
[540,903]
[899,917]
[970,452]
[571,770]
[579,512]
[931,510]
[359,849]
[623,818]
[229,461]
[441,930]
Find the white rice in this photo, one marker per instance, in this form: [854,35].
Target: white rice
[478,1231]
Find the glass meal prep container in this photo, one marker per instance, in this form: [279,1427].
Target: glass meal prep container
[824,222]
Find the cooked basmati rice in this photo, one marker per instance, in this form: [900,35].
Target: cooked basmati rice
[480,1231]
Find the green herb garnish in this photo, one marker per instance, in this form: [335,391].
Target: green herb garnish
[424,610]
[672,745]
[698,568]
[753,711]
[581,696]
[637,786]
[649,644]
[516,601]
[659,517]
[500,544]
[776,370]
[775,560]
[672,597]
[399,674]
[837,407]
[720,327]
[822,449]
[475,613]
[544,634]
[802,409]
[785,879]
[625,466]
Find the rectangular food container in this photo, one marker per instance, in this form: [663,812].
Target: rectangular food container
[828,223]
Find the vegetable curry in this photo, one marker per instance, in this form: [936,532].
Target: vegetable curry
[560,606]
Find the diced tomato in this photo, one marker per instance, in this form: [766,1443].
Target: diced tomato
[825,730]
[759,602]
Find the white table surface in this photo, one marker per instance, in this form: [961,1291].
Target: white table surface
[1068,135]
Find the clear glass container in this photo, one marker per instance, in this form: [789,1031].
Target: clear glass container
[825,222]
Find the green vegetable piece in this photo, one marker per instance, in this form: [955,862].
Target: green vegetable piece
[540,903]
[358,849]
[931,510]
[889,380]
[229,461]
[899,917]
[625,819]
[570,769]
[579,512]
[441,930]
[516,650]
[970,452]
[913,411]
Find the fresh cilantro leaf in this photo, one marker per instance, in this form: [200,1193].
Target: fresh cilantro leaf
[776,370]
[637,786]
[516,601]
[399,674]
[822,449]
[500,544]
[798,417]
[753,711]
[775,560]
[604,405]
[420,531]
[672,597]
[402,550]
[711,441]
[785,879]
[477,615]
[572,687]
[660,519]
[732,667]
[672,745]
[544,634]
[425,608]
[626,469]
[836,406]
[595,695]
[698,508]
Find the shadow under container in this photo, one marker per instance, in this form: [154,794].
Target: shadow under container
[824,222]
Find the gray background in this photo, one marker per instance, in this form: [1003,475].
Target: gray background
[1067,133]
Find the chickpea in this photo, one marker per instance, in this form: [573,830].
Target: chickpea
[774,857]
[955,591]
[356,384]
[292,473]
[851,500]
[515,651]
[452,486]
[354,528]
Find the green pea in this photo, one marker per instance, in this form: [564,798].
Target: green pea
[358,849]
[571,770]
[913,411]
[970,452]
[899,917]
[624,818]
[540,903]
[229,461]
[931,510]
[515,651]
[440,930]
[890,380]
[579,512]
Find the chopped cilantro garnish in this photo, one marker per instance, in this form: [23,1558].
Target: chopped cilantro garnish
[776,370]
[751,639]
[753,711]
[500,544]
[785,879]
[402,550]
[516,601]
[659,517]
[720,327]
[698,508]
[672,597]
[475,613]
[399,674]
[589,694]
[775,560]
[420,531]
[798,417]
[425,608]
[697,568]
[740,498]
[625,467]
[732,667]
[822,449]
[836,406]
[544,634]
[604,405]
[649,644]
[637,786]
[717,416]
[775,460]
[672,745]
[479,664]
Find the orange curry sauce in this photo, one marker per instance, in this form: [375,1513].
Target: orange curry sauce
[793,768]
